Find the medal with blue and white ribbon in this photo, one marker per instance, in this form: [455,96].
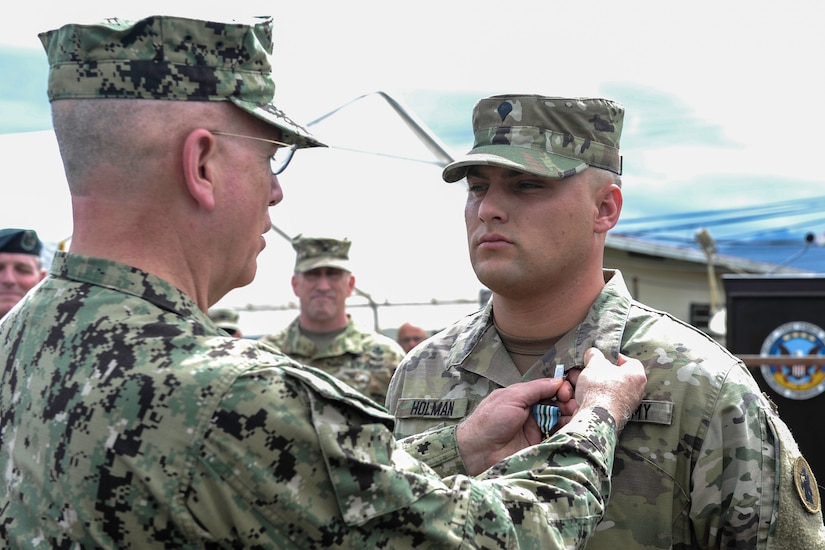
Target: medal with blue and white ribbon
[547,416]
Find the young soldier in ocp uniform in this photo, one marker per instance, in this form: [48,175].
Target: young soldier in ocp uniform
[705,462]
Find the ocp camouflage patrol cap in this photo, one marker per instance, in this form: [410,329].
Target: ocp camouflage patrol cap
[312,253]
[172,58]
[20,241]
[552,137]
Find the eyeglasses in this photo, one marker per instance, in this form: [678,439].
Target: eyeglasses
[280,160]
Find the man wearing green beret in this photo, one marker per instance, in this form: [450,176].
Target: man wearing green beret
[705,461]
[20,265]
[128,419]
[324,335]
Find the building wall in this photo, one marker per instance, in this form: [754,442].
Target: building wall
[666,284]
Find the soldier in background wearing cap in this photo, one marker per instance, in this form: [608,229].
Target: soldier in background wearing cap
[129,420]
[705,461]
[226,319]
[20,265]
[324,335]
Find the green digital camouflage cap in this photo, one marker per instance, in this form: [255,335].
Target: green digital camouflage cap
[312,253]
[172,58]
[225,318]
[20,241]
[552,137]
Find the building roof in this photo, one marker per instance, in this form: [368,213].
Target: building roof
[648,247]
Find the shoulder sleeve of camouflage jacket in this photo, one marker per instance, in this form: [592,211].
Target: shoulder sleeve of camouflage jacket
[749,461]
[317,468]
[800,524]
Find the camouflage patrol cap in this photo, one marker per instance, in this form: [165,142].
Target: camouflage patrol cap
[552,137]
[171,58]
[312,253]
[20,241]
[225,318]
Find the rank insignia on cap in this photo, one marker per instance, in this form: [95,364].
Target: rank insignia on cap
[29,241]
[806,486]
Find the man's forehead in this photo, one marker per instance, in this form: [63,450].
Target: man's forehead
[18,258]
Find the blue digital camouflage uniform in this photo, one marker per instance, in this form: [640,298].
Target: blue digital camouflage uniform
[705,461]
[363,359]
[129,420]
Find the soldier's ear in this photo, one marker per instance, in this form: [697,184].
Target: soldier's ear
[198,160]
[609,207]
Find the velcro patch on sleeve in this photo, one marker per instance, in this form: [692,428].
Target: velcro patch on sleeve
[654,412]
[806,486]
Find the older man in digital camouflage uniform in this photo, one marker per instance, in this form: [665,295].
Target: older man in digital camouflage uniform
[129,420]
[705,462]
[324,335]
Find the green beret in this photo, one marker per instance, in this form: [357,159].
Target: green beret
[20,241]
[552,137]
[172,58]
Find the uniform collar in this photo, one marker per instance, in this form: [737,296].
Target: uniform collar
[478,347]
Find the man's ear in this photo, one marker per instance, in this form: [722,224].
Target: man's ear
[610,207]
[198,156]
[351,284]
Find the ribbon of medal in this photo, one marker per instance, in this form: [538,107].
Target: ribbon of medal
[547,416]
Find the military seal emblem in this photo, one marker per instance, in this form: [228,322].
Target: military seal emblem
[795,381]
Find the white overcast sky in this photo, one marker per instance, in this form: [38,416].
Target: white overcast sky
[749,70]
[742,63]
